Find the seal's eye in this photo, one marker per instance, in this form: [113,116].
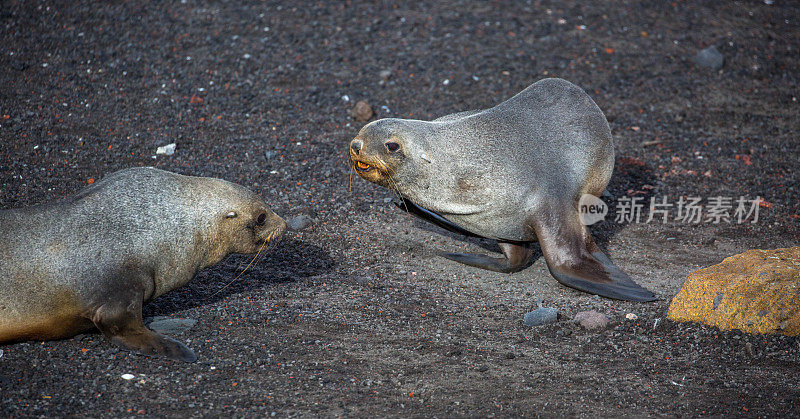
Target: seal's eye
[231,214]
[262,218]
[392,146]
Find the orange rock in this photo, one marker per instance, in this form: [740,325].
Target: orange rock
[757,291]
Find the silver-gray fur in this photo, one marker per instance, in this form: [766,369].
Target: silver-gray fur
[513,172]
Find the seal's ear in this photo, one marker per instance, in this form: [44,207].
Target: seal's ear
[231,214]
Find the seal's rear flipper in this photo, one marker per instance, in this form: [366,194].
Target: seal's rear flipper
[575,261]
[594,276]
[122,322]
[517,257]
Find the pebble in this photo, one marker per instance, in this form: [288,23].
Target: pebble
[299,222]
[631,316]
[710,58]
[166,150]
[128,376]
[362,112]
[541,316]
[385,74]
[591,320]
[169,325]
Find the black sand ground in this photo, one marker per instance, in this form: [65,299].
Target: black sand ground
[355,315]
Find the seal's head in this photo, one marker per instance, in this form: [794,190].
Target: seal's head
[252,226]
[389,152]
[245,222]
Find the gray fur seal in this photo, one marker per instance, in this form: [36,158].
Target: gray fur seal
[514,173]
[93,259]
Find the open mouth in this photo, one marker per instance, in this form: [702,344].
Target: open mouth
[363,167]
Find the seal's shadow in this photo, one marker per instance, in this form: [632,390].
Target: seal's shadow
[631,178]
[290,260]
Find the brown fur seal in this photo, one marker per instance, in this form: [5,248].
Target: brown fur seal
[93,259]
[514,173]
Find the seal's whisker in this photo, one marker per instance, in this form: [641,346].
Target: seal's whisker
[268,245]
[393,187]
[263,245]
[350,179]
[392,184]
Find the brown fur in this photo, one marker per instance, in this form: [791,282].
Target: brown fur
[95,258]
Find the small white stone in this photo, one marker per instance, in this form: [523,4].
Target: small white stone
[631,316]
[128,376]
[167,150]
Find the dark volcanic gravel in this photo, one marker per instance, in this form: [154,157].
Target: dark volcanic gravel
[355,315]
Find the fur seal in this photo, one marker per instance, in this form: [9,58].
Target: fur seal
[93,259]
[514,173]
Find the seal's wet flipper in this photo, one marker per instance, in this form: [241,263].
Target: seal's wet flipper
[122,322]
[517,257]
[575,261]
[431,217]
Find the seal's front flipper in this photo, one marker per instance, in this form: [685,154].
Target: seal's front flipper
[517,257]
[122,322]
[150,343]
[575,261]
[431,217]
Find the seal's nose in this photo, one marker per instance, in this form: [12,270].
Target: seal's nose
[356,145]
